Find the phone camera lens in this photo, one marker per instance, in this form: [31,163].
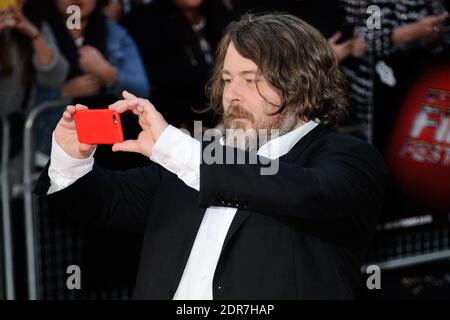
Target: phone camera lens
[114,119]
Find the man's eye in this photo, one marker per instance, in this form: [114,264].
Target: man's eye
[250,81]
[226,80]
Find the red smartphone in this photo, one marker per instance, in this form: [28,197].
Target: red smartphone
[98,126]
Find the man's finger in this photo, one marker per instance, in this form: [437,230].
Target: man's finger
[115,104]
[81,107]
[126,146]
[67,115]
[126,105]
[128,95]
[71,109]
[143,105]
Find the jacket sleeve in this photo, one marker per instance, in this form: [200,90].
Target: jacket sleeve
[338,193]
[117,199]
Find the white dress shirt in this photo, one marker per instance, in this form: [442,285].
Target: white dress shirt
[180,154]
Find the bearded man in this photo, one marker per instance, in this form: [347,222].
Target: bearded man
[221,230]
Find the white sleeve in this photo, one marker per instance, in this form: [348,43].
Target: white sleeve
[180,154]
[65,170]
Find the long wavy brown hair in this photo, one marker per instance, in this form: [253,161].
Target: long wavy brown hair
[294,58]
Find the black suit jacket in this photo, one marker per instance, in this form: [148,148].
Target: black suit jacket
[299,234]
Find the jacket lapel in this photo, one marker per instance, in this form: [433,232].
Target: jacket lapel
[292,156]
[297,150]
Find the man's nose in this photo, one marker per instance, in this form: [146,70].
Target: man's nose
[233,92]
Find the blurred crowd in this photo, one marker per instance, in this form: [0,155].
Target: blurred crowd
[164,50]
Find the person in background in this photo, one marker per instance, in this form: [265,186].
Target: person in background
[330,22]
[29,57]
[103,61]
[406,27]
[117,9]
[102,56]
[338,25]
[413,34]
[178,47]
[113,9]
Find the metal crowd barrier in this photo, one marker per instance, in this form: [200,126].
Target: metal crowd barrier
[7,241]
[31,220]
[51,245]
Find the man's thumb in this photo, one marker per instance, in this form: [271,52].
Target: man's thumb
[126,146]
[85,147]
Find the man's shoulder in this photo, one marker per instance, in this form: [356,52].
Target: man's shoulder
[332,141]
[344,139]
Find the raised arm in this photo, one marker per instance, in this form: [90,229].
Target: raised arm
[72,183]
[115,199]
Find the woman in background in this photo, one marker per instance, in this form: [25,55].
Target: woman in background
[102,56]
[29,58]
[103,61]
[178,39]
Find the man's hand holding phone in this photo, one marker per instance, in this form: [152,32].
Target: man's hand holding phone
[150,120]
[66,135]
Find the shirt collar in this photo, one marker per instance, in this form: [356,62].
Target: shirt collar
[279,146]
